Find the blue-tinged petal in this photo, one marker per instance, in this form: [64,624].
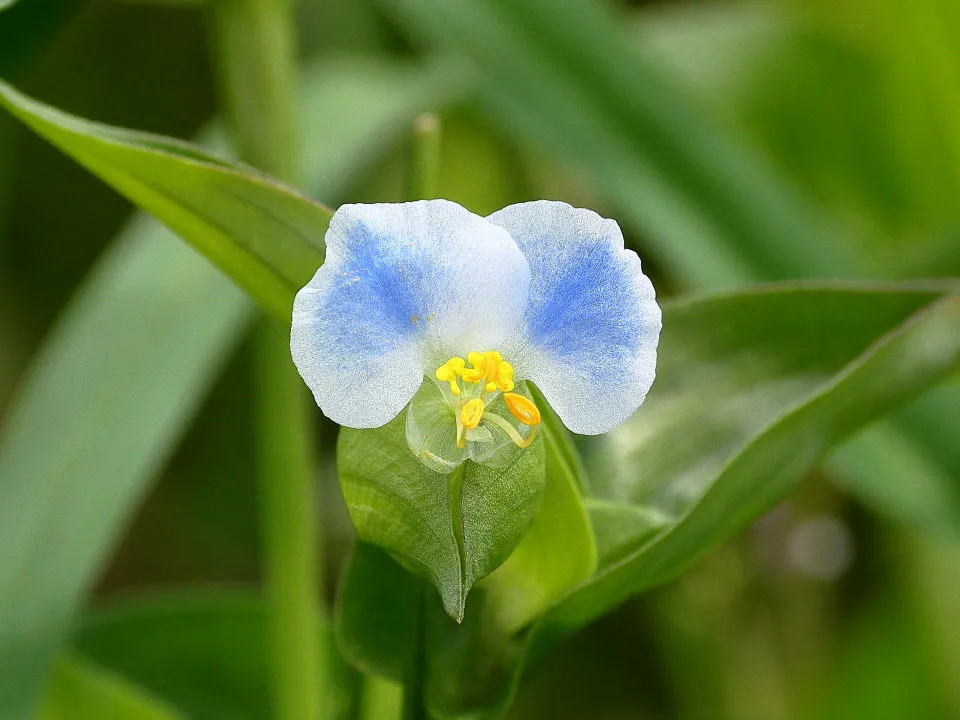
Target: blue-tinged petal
[404,287]
[592,323]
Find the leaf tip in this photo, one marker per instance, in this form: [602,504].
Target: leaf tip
[455,604]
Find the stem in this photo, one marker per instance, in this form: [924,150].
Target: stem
[422,179]
[257,70]
[254,45]
[424,168]
[414,707]
[289,527]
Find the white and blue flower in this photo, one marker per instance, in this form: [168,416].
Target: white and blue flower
[538,291]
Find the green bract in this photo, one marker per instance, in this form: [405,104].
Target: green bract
[455,528]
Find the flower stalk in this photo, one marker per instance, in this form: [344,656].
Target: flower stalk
[256,62]
[423,173]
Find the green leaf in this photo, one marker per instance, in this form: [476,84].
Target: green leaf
[207,652]
[265,236]
[376,615]
[455,529]
[753,389]
[622,528]
[873,467]
[80,690]
[104,403]
[559,550]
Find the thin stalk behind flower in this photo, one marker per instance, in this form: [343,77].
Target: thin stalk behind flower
[257,71]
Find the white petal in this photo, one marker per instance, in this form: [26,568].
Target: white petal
[404,287]
[592,324]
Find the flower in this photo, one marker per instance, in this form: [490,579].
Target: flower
[426,296]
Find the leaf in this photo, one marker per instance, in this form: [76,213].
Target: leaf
[376,615]
[118,379]
[621,528]
[455,529]
[559,550]
[101,408]
[873,467]
[207,652]
[265,236]
[80,690]
[753,389]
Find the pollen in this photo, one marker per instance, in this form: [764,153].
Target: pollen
[522,408]
[471,413]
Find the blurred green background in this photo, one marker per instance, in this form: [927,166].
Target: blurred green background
[842,118]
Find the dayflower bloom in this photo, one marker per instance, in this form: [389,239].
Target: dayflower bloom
[428,299]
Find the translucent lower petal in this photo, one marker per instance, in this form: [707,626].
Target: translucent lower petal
[432,431]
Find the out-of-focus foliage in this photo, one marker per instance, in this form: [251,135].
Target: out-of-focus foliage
[79,689]
[205,652]
[734,142]
[117,382]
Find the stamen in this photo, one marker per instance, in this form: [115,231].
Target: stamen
[471,413]
[522,408]
[491,368]
[449,371]
[493,373]
[510,430]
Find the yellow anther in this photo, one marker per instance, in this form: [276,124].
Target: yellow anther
[449,371]
[522,408]
[505,377]
[479,370]
[490,368]
[471,413]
